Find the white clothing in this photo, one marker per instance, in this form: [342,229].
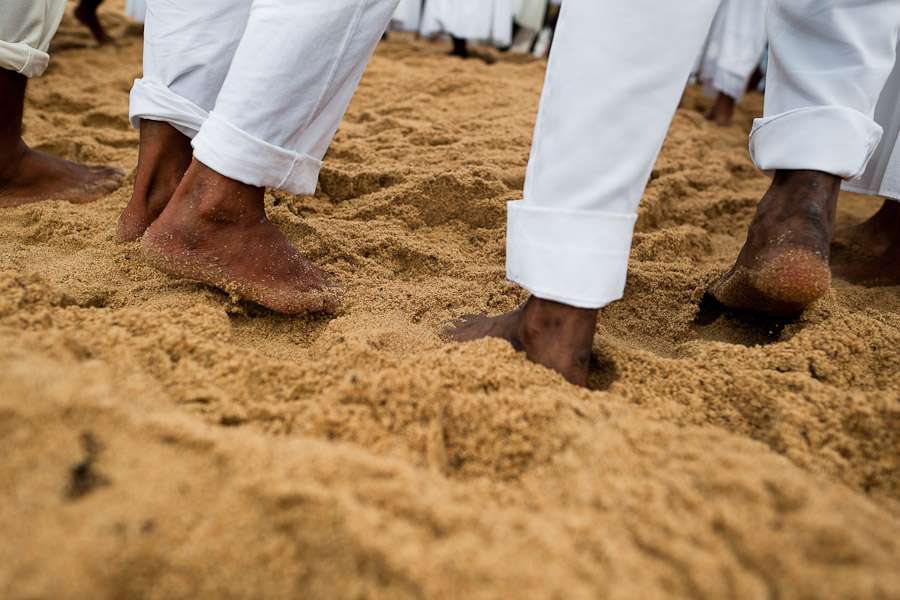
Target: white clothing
[26,28]
[259,85]
[487,21]
[136,9]
[828,64]
[530,14]
[734,47]
[614,79]
[882,176]
[407,16]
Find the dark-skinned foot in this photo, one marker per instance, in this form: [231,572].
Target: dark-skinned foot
[722,110]
[215,230]
[29,176]
[884,269]
[164,157]
[783,266]
[86,12]
[552,334]
[875,234]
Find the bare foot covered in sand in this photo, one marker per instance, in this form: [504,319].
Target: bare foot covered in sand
[86,12]
[875,234]
[783,266]
[164,157]
[33,176]
[215,230]
[555,335]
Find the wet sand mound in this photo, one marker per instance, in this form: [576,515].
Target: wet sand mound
[161,440]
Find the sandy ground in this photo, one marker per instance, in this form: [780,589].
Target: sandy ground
[162,440]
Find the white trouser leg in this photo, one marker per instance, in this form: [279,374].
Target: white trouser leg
[615,76]
[291,79]
[26,27]
[188,48]
[735,48]
[882,175]
[828,63]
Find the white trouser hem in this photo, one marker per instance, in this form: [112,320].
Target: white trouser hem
[849,186]
[576,257]
[834,139]
[236,154]
[154,101]
[729,83]
[22,58]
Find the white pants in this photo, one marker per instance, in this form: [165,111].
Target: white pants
[734,47]
[530,14]
[259,85]
[882,176]
[26,27]
[476,20]
[136,9]
[616,73]
[407,16]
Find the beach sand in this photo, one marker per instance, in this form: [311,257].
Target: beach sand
[162,440]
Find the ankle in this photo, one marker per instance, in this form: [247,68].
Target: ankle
[11,155]
[542,317]
[219,199]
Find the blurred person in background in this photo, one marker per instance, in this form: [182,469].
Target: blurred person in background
[28,175]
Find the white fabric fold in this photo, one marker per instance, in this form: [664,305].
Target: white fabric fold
[26,28]
[576,257]
[152,100]
[228,150]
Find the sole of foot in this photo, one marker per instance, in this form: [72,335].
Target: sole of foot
[782,287]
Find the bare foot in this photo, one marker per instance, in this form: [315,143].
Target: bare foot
[885,267]
[555,335]
[722,110]
[86,12]
[783,266]
[876,233]
[215,230]
[33,176]
[164,157]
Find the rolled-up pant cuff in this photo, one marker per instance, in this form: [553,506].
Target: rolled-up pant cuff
[576,257]
[22,58]
[236,154]
[833,139]
[154,101]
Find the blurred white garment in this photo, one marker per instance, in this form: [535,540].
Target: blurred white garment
[260,85]
[530,14]
[488,21]
[614,79]
[882,176]
[734,47]
[407,16]
[26,27]
[136,9]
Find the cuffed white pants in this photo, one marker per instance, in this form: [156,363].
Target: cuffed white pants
[26,28]
[616,73]
[734,47]
[882,175]
[259,85]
